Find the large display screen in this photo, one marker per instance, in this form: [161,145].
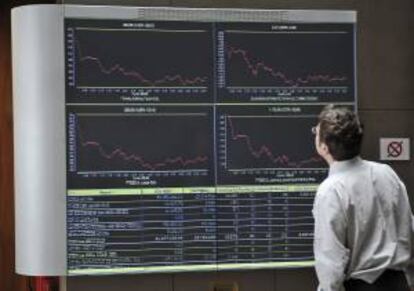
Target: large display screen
[189,144]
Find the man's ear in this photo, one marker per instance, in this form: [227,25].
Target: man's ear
[324,148]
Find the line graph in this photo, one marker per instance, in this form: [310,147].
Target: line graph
[119,153]
[315,62]
[127,58]
[161,143]
[259,142]
[169,59]
[257,68]
[264,151]
[138,76]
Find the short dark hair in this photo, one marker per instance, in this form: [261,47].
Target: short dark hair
[341,130]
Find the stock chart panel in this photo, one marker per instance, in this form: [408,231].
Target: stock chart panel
[261,142]
[142,62]
[264,62]
[112,146]
[189,144]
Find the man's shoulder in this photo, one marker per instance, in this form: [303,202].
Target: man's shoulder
[381,169]
[376,164]
[328,185]
[364,170]
[327,194]
[380,174]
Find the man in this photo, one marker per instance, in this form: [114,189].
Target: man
[363,221]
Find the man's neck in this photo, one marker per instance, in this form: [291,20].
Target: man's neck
[329,159]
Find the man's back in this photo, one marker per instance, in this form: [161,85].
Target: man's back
[366,205]
[363,221]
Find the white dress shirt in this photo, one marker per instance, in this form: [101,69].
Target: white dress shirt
[363,224]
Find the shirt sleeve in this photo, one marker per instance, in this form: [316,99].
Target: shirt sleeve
[406,209]
[409,272]
[331,254]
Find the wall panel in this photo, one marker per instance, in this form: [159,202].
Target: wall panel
[385,54]
[250,280]
[389,123]
[9,281]
[295,280]
[121,283]
[194,281]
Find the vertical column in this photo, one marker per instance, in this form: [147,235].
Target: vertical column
[103,230]
[163,221]
[199,227]
[228,228]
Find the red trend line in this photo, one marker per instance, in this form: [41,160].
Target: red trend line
[256,68]
[137,75]
[120,153]
[265,151]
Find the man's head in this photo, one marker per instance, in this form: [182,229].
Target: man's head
[338,134]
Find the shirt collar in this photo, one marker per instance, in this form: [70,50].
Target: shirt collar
[342,166]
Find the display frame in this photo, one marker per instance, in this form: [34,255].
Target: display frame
[38,36]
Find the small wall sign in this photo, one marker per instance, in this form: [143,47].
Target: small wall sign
[394,149]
